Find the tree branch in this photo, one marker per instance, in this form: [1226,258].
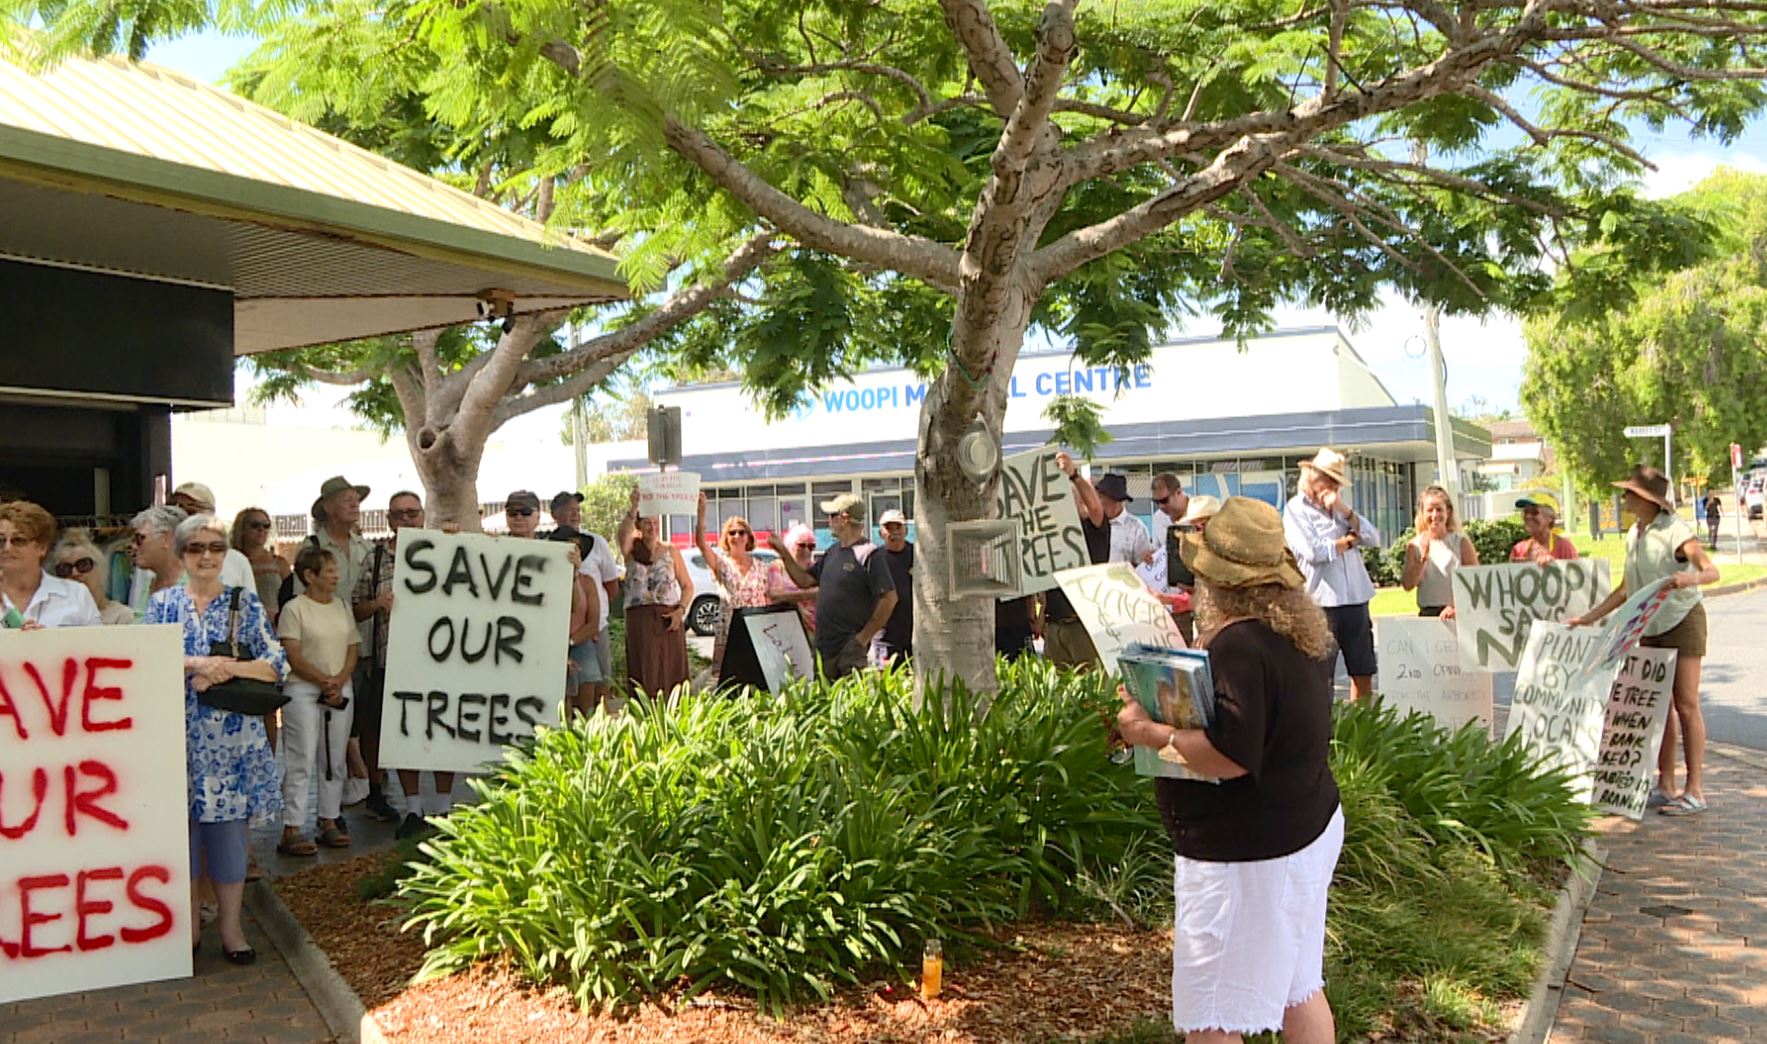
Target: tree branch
[989,56]
[347,379]
[776,68]
[473,422]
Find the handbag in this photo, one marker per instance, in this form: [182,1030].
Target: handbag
[240,695]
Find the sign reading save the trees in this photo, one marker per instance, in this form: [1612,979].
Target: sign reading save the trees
[1037,493]
[477,648]
[1496,605]
[94,862]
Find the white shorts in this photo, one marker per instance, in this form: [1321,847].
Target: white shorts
[1249,940]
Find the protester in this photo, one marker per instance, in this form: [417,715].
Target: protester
[1130,542]
[1432,556]
[1255,853]
[1197,512]
[599,567]
[742,576]
[854,593]
[1661,546]
[29,597]
[800,546]
[1169,494]
[252,533]
[1714,516]
[1543,546]
[157,566]
[194,498]
[1327,537]
[1015,626]
[319,635]
[77,558]
[232,772]
[894,643]
[1065,641]
[658,592]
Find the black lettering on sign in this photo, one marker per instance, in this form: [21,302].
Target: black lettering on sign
[496,582]
[524,579]
[499,716]
[406,699]
[437,711]
[460,572]
[417,563]
[465,720]
[529,709]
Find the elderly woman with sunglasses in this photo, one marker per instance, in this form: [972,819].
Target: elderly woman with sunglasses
[800,543]
[29,597]
[77,558]
[742,576]
[232,773]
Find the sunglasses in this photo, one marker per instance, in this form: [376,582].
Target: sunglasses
[736,532]
[264,524]
[219,547]
[410,513]
[805,545]
[81,566]
[519,512]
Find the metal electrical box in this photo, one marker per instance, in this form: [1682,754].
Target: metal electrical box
[664,429]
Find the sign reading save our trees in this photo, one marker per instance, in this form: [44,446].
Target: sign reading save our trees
[1039,494]
[477,648]
[94,861]
[1495,605]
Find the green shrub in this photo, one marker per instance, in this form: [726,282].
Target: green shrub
[784,845]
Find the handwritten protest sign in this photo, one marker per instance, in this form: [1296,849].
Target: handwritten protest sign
[665,493]
[1561,699]
[1637,713]
[781,647]
[476,649]
[1037,493]
[1496,604]
[1625,625]
[1420,671]
[1118,610]
[94,861]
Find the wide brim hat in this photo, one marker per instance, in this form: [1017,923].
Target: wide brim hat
[1648,483]
[1330,463]
[337,484]
[198,492]
[1114,486]
[1243,546]
[1202,506]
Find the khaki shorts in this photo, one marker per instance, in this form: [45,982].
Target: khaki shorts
[1066,644]
[1687,637]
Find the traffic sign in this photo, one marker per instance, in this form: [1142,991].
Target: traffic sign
[1647,431]
[1735,456]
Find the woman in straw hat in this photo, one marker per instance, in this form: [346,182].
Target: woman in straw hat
[1256,852]
[1327,536]
[1662,546]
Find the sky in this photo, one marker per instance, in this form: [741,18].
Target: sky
[1484,356]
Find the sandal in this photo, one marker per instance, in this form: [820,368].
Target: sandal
[1685,805]
[332,837]
[296,846]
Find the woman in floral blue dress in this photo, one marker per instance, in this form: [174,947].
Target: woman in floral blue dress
[232,772]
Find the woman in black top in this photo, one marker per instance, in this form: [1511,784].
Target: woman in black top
[1255,852]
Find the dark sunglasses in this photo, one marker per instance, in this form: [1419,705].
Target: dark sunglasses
[519,512]
[259,524]
[81,566]
[737,532]
[411,513]
[219,547]
[805,545]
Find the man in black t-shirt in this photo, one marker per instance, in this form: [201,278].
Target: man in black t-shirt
[1065,641]
[854,592]
[893,643]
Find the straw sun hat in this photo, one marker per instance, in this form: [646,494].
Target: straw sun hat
[1243,546]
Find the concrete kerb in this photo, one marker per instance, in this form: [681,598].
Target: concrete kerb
[1730,589]
[1562,935]
[343,1011]
[1755,759]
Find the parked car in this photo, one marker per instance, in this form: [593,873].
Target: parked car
[702,615]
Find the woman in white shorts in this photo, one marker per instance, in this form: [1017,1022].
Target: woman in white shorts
[1254,853]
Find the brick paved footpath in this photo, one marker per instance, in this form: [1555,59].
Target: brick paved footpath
[1674,944]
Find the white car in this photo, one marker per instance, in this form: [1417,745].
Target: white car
[702,615]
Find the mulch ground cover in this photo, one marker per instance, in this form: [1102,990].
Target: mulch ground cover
[1051,982]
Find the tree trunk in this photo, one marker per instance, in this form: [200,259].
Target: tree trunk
[450,474]
[954,637]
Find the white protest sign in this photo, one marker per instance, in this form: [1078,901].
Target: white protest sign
[1037,493]
[1561,701]
[1496,604]
[477,647]
[781,647]
[1637,713]
[1118,610]
[1625,626]
[1420,671]
[665,493]
[94,849]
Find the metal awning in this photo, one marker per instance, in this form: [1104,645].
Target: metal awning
[135,170]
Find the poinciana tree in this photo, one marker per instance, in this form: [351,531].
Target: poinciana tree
[1100,169]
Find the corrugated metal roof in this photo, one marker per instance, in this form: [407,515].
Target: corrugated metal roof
[160,114]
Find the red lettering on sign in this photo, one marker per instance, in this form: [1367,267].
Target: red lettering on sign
[149,904]
[70,670]
[10,709]
[94,691]
[84,907]
[40,789]
[27,885]
[86,801]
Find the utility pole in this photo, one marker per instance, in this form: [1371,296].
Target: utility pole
[580,441]
[1448,472]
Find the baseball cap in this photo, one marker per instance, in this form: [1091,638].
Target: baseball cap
[564,497]
[851,503]
[198,492]
[522,498]
[1538,500]
[892,516]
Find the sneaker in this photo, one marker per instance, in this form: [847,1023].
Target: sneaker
[413,826]
[1685,805]
[379,808]
[1658,798]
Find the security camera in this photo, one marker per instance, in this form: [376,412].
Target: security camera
[498,304]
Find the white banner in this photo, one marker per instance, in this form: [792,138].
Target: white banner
[665,493]
[1118,610]
[477,647]
[94,809]
[1637,713]
[1561,699]
[1037,493]
[1420,671]
[781,647]
[1625,625]
[1496,604]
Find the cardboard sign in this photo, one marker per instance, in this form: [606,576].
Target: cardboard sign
[1637,713]
[1420,671]
[1495,605]
[476,649]
[94,850]
[1118,610]
[1625,626]
[1037,493]
[778,644]
[1561,700]
[665,493]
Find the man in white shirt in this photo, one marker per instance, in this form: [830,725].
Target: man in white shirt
[1168,493]
[1327,537]
[1130,541]
[599,565]
[197,499]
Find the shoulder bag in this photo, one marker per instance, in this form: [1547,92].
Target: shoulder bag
[240,695]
